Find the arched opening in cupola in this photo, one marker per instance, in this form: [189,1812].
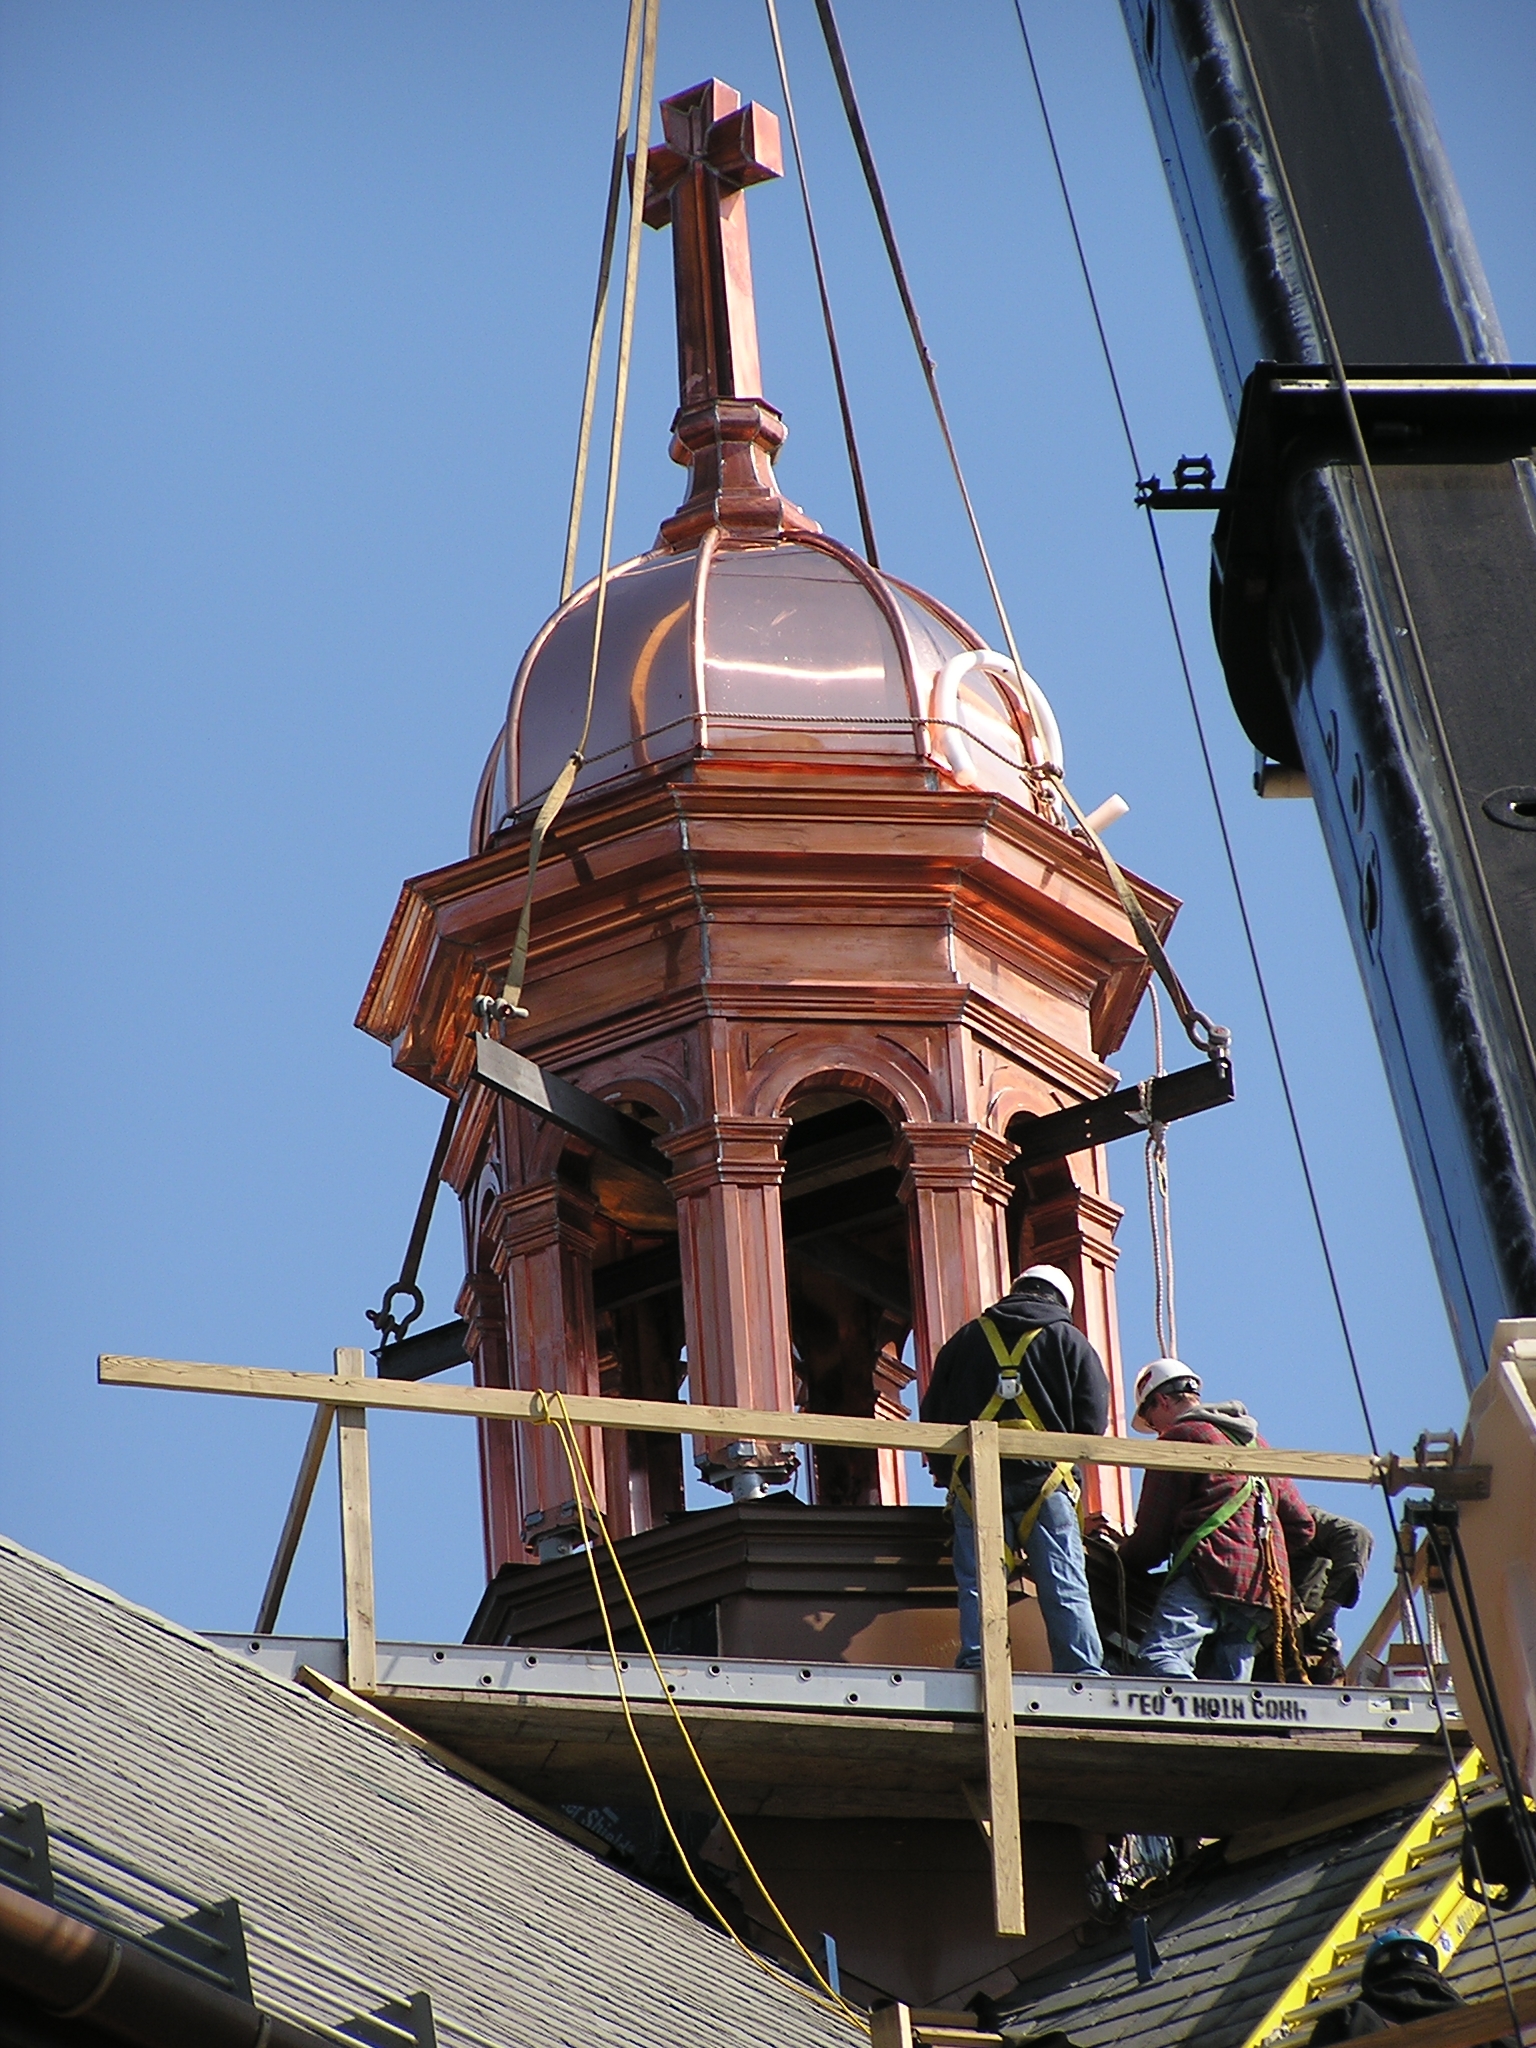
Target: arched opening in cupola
[849,1281]
[1042,1212]
[638,1329]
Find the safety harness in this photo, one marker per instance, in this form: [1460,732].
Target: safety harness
[1233,1506]
[1011,1395]
[1287,1641]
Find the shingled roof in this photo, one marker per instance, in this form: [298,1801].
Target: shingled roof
[1230,1940]
[346,1852]
[1475,1971]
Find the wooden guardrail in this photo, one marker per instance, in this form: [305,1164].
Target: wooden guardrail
[349,1394]
[681,1418]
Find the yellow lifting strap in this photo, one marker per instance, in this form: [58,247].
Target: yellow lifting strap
[1011,1394]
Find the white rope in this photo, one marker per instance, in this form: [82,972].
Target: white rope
[1159,1211]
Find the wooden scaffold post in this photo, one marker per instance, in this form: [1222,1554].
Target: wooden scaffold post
[997,1681]
[356,1534]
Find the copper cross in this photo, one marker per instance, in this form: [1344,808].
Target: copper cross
[715,148]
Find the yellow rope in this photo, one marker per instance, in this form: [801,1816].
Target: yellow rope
[626,117]
[1287,1640]
[509,1003]
[555,1412]
[1205,1036]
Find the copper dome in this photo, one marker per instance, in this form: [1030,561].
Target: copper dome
[793,645]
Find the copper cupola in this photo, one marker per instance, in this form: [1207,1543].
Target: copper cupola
[805,916]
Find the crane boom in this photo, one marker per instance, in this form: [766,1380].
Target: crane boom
[1374,576]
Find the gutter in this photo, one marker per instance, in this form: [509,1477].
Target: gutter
[74,1971]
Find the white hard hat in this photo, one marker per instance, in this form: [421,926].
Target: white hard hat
[1152,1379]
[1053,1276]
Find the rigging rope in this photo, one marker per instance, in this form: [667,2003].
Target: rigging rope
[1159,1215]
[582,1484]
[383,1318]
[641,25]
[866,520]
[600,305]
[1211,1039]
[509,1003]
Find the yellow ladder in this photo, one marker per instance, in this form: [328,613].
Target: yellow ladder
[1418,1887]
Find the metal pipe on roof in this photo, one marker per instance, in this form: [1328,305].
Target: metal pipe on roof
[72,1970]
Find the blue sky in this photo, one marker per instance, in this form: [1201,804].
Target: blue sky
[293,311]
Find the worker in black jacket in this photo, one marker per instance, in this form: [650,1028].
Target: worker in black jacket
[1025,1363]
[1400,1982]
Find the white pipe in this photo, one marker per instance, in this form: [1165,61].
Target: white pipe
[1113,807]
[946,706]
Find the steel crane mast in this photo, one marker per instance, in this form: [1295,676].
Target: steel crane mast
[1374,571]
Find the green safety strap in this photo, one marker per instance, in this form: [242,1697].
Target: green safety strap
[1223,1515]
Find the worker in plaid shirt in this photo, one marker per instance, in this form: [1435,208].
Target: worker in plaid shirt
[1223,1572]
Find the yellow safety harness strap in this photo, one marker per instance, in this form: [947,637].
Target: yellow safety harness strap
[1028,1417]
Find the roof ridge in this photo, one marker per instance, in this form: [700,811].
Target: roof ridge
[9,1546]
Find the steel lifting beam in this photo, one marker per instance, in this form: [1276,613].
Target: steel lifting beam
[1101,1120]
[613,1132]
[1377,618]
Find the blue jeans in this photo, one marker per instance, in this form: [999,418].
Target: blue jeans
[1053,1557]
[1184,1616]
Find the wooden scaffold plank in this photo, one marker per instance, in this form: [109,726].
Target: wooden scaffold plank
[673,1418]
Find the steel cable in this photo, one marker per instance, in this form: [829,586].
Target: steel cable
[1475,1646]
[1258,974]
[856,467]
[1165,1319]
[1341,377]
[383,1318]
[1250,941]
[1206,1037]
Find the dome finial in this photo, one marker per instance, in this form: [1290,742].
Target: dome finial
[724,432]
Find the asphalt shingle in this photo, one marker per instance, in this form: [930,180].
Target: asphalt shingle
[351,1857]
[1230,1941]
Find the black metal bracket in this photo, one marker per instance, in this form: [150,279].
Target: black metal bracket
[211,1943]
[1434,1465]
[1121,1115]
[408,2018]
[429,1351]
[1194,488]
[1293,420]
[24,1858]
[622,1137]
